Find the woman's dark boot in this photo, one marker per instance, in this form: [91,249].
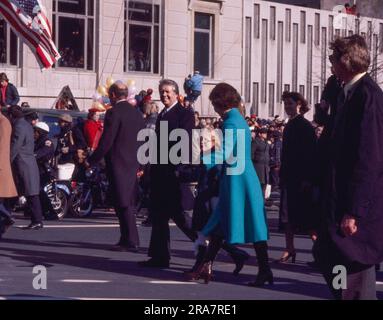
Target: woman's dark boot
[264,272]
[201,253]
[203,269]
[239,256]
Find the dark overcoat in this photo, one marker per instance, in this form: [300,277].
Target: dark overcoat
[23,158]
[164,184]
[260,154]
[119,146]
[355,177]
[298,167]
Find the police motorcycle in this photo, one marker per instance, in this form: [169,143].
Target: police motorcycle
[89,191]
[55,193]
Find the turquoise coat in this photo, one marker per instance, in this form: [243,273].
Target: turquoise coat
[240,212]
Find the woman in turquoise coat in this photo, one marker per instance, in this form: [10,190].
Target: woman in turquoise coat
[239,216]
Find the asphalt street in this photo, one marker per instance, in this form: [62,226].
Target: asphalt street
[79,265]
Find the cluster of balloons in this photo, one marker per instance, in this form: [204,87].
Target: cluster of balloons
[101,101]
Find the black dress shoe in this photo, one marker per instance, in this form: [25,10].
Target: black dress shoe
[34,226]
[152,263]
[122,248]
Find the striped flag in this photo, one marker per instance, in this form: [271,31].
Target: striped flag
[28,19]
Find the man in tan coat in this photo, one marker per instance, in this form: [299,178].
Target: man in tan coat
[7,185]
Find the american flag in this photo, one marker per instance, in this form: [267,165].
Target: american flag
[28,19]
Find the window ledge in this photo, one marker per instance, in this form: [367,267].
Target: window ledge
[221,2]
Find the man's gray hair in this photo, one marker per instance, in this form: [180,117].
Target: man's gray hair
[169,82]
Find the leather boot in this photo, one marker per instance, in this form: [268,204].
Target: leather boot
[239,256]
[264,272]
[203,269]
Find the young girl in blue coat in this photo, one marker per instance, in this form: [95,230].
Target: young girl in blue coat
[239,216]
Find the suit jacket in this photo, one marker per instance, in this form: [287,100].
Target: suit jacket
[23,157]
[11,96]
[165,186]
[7,185]
[260,154]
[355,178]
[119,146]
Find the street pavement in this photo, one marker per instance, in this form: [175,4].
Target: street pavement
[79,265]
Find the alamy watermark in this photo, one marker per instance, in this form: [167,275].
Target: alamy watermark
[340,279]
[40,280]
[229,147]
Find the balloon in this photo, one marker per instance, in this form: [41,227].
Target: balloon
[109,81]
[105,100]
[131,83]
[102,90]
[133,102]
[96,96]
[132,90]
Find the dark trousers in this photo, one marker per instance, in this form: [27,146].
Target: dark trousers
[128,226]
[159,248]
[361,279]
[34,207]
[274,176]
[4,212]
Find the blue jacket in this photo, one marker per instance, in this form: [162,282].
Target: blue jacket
[195,83]
[11,96]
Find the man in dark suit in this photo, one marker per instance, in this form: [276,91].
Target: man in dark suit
[165,187]
[25,165]
[260,154]
[352,223]
[119,145]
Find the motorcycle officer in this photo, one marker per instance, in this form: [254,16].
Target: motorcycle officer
[44,151]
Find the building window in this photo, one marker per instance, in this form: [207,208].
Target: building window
[375,53]
[142,40]
[74,33]
[303,26]
[264,62]
[309,62]
[288,25]
[203,43]
[350,33]
[331,28]
[302,90]
[286,88]
[317,29]
[8,44]
[255,109]
[316,94]
[324,57]
[381,37]
[271,99]
[248,59]
[357,26]
[279,60]
[295,57]
[369,34]
[257,15]
[272,23]
[337,33]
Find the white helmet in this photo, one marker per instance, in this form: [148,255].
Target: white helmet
[42,126]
